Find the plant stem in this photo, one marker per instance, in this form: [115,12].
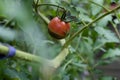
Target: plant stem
[37,2]
[43,17]
[60,58]
[8,23]
[23,55]
[83,23]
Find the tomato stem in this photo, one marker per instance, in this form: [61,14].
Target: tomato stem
[57,11]
[35,4]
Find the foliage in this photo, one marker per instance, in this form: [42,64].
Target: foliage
[22,27]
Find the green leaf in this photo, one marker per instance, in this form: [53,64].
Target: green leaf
[111,53]
[81,10]
[85,18]
[107,35]
[81,65]
[23,76]
[104,21]
[104,36]
[86,46]
[96,8]
[11,74]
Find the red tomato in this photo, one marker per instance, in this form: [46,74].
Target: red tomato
[58,29]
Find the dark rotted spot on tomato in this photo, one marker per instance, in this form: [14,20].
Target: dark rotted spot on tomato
[54,35]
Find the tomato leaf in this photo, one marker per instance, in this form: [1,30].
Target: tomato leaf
[85,18]
[96,8]
[86,47]
[106,34]
[11,74]
[104,21]
[112,53]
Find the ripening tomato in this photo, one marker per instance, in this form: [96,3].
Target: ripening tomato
[58,28]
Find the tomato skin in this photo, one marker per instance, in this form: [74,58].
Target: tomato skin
[58,29]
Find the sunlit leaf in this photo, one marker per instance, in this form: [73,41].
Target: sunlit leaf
[112,53]
[85,18]
[104,21]
[106,35]
[96,8]
[86,48]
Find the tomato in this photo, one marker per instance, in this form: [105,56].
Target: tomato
[58,28]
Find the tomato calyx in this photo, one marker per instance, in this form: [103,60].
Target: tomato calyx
[67,17]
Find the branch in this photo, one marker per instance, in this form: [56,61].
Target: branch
[43,17]
[23,55]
